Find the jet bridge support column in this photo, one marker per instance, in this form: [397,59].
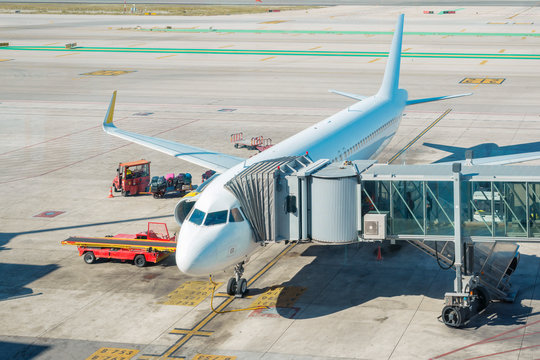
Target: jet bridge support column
[458,240]
[304,207]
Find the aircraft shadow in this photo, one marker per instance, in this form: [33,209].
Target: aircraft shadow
[6,237]
[16,276]
[16,350]
[483,150]
[346,276]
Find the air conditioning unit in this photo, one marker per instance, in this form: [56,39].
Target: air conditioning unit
[375,226]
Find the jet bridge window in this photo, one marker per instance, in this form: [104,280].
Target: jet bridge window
[235,216]
[197,217]
[216,218]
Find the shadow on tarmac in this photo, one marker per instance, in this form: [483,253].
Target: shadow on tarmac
[16,276]
[15,350]
[483,150]
[345,276]
[5,238]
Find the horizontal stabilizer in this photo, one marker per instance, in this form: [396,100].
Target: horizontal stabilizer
[205,158]
[419,101]
[349,95]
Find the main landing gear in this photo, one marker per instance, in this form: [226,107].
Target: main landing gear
[237,285]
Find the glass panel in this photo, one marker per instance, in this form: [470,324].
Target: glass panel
[510,204]
[407,207]
[216,218]
[197,217]
[476,211]
[440,208]
[534,210]
[235,216]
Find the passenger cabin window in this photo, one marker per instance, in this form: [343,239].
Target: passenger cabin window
[197,217]
[235,215]
[216,218]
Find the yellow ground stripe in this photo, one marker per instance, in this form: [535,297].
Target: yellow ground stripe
[501,51]
[268,58]
[67,54]
[483,62]
[165,56]
[372,61]
[225,46]
[185,332]
[315,48]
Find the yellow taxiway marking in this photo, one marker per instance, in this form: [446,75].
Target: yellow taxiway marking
[268,58]
[273,22]
[192,332]
[113,353]
[108,72]
[5,60]
[501,51]
[523,38]
[445,36]
[463,30]
[67,54]
[165,56]
[225,46]
[372,61]
[328,28]
[190,293]
[213,357]
[496,81]
[51,44]
[475,86]
[497,23]
[137,44]
[315,48]
[279,296]
[407,49]
[483,62]
[533,31]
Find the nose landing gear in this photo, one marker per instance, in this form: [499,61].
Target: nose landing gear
[237,285]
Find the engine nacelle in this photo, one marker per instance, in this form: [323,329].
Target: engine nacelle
[183,208]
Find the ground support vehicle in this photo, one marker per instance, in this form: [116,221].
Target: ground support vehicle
[259,143]
[132,178]
[169,185]
[151,246]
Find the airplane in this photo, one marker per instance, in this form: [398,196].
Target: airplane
[217,235]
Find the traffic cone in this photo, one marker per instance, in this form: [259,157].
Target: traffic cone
[379,256]
[110,193]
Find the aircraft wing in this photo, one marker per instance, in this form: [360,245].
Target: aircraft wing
[209,159]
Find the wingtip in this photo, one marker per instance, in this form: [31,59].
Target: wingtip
[110,112]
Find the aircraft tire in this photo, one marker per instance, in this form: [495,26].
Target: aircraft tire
[241,289]
[231,286]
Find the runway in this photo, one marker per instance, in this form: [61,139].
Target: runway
[265,74]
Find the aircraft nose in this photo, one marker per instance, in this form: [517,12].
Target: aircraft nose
[195,255]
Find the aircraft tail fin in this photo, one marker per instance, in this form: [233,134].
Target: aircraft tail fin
[390,81]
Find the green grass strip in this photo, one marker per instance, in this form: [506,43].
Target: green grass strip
[273,52]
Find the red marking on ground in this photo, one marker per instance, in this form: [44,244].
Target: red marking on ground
[503,352]
[490,339]
[49,214]
[90,157]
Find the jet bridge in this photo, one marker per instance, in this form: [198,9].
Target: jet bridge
[469,218]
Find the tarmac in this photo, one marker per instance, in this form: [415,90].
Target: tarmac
[326,302]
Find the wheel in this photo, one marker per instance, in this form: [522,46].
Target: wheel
[451,316]
[241,289]
[483,298]
[89,257]
[124,192]
[231,286]
[139,260]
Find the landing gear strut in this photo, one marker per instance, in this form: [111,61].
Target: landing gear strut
[237,285]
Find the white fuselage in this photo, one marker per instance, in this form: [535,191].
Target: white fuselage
[210,240]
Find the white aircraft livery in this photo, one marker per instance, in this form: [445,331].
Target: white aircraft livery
[216,222]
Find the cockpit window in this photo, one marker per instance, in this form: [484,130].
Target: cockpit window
[216,218]
[197,217]
[235,215]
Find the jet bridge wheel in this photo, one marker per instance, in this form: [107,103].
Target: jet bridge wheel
[451,316]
